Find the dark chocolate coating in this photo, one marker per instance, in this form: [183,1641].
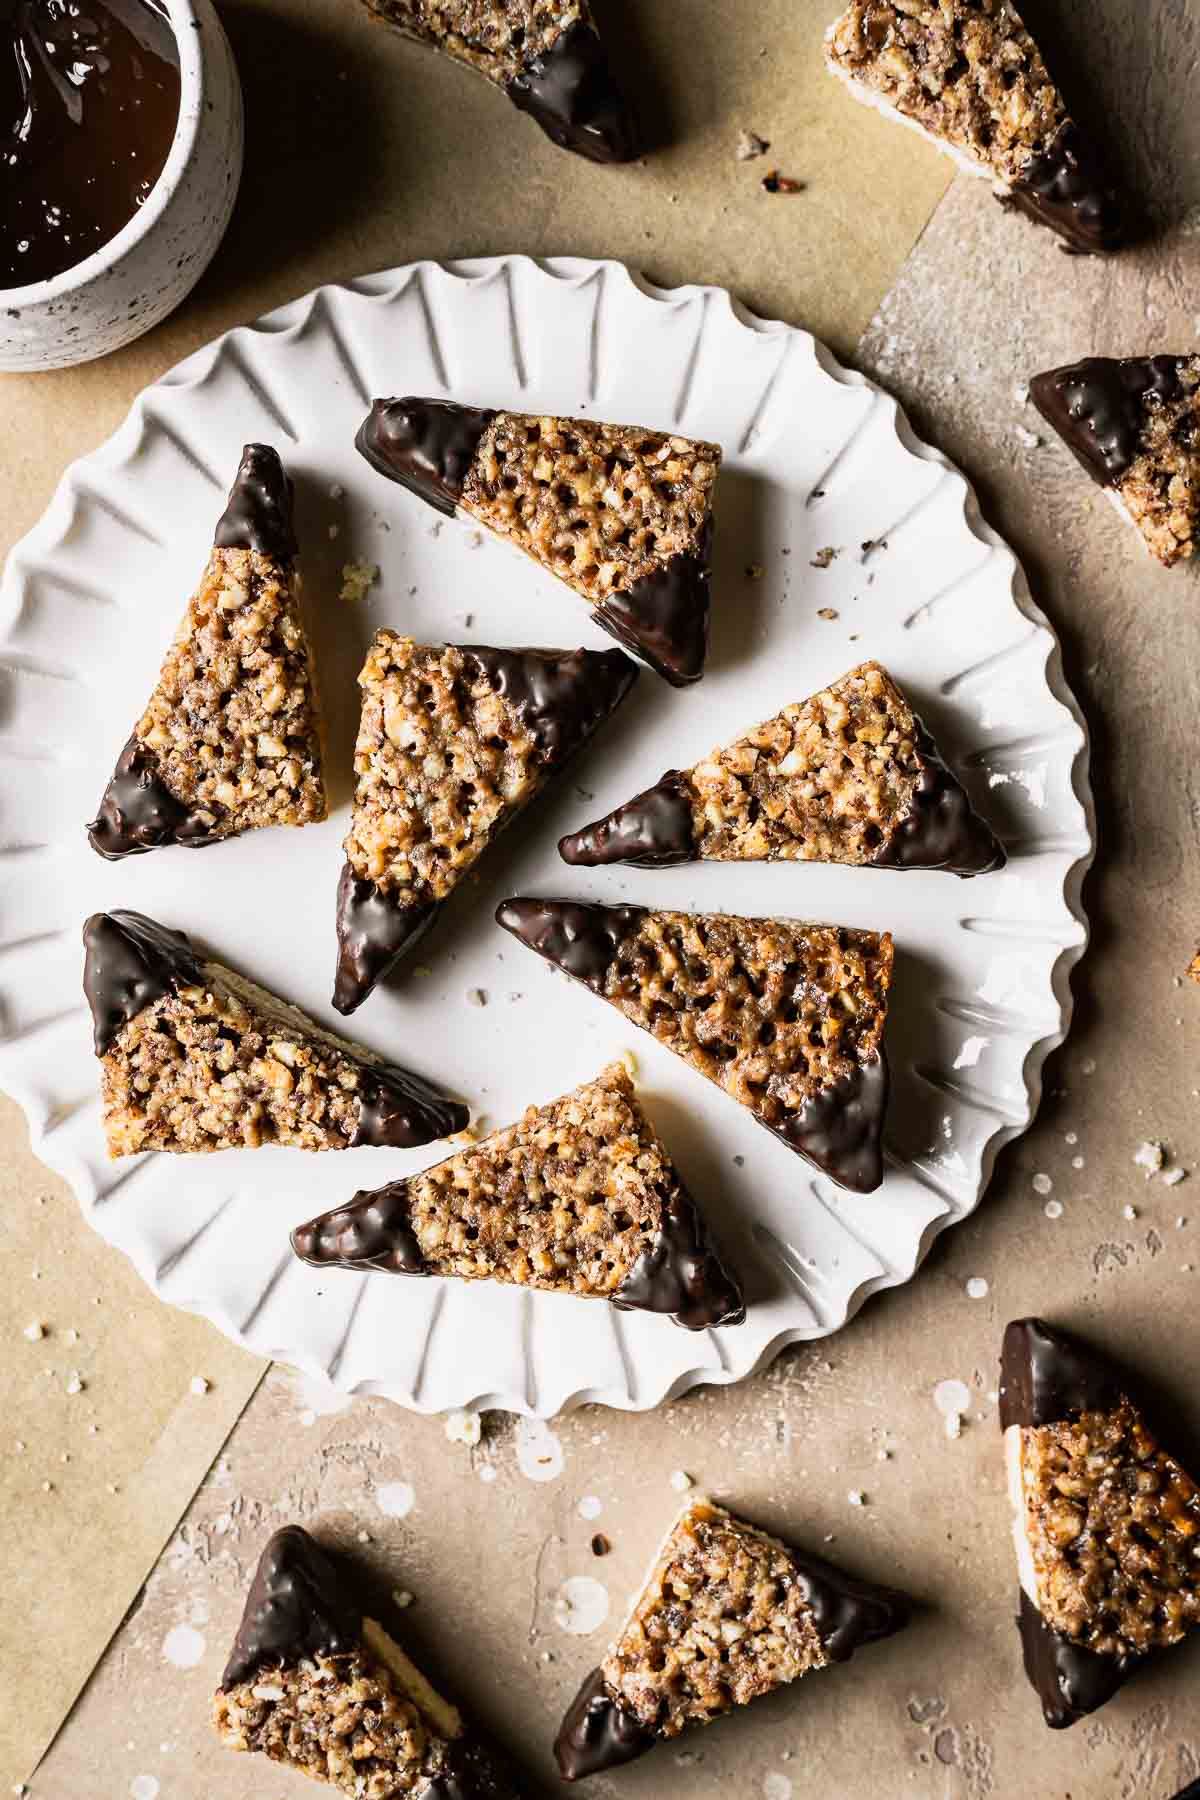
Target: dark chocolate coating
[297,1607]
[847,1613]
[941,830]
[840,1128]
[130,963]
[654,830]
[597,1734]
[373,933]
[1068,189]
[139,812]
[428,446]
[579,938]
[400,1110]
[570,91]
[1099,407]
[258,515]
[561,697]
[1047,1375]
[1190,1792]
[1069,1680]
[681,1273]
[664,617]
[473,1771]
[374,1231]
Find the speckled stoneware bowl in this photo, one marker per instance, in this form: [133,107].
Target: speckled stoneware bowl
[144,272]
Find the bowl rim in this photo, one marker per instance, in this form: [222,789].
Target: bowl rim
[187,27]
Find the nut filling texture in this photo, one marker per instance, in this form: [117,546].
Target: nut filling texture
[1161,488]
[496,37]
[339,1719]
[600,506]
[442,761]
[773,1012]
[232,728]
[226,1065]
[1113,1523]
[965,70]
[721,1621]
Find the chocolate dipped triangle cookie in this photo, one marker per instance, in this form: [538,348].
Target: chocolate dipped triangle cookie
[1106,1522]
[580,1197]
[848,776]
[969,76]
[787,1018]
[231,737]
[196,1058]
[453,743]
[318,1686]
[546,55]
[728,1614]
[1134,425]
[620,513]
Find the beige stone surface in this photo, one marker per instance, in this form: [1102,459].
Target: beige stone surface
[941,1712]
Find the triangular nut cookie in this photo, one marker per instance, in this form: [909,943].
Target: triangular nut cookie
[786,1017]
[453,743]
[316,1685]
[196,1058]
[969,76]
[620,513]
[1106,1522]
[546,55]
[1134,425]
[231,737]
[580,1197]
[727,1615]
[848,776]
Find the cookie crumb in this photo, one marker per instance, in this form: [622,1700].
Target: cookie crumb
[357,579]
[827,612]
[775,183]
[199,1384]
[750,145]
[35,1330]
[681,1481]
[824,557]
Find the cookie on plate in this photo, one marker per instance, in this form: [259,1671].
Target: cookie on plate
[545,54]
[195,1058]
[969,76]
[316,1685]
[453,742]
[728,1614]
[1105,1520]
[231,737]
[621,513]
[787,1018]
[580,1197]
[1134,425]
[848,776]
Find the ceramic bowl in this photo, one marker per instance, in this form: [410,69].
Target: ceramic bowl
[143,273]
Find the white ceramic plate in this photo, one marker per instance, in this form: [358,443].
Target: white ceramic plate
[816,457]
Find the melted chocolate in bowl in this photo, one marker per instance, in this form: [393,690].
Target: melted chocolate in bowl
[89,102]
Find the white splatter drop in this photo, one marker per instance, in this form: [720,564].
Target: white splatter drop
[776,1786]
[977,1288]
[487,1472]
[591,1506]
[581,1605]
[539,1451]
[1053,1209]
[395,1499]
[971,1052]
[951,1397]
[318,1399]
[183,1647]
[464,1427]
[1042,1184]
[143,1787]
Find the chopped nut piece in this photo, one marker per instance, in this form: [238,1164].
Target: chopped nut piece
[750,145]
[775,183]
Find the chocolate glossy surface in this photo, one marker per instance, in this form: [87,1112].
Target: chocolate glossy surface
[1069,1680]
[1099,406]
[89,103]
[1068,189]
[138,812]
[941,830]
[297,1606]
[597,1734]
[840,1128]
[258,513]
[428,446]
[374,931]
[654,830]
[571,93]
[131,962]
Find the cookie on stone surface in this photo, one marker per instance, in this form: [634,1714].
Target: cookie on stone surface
[969,76]
[196,1058]
[620,513]
[453,743]
[1134,425]
[728,1614]
[231,737]
[319,1687]
[848,776]
[546,55]
[1106,1522]
[787,1018]
[580,1197]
